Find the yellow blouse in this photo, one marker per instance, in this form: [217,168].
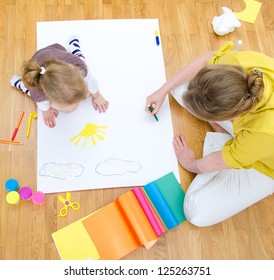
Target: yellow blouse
[253,144]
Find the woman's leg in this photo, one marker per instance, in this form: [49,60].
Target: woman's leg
[214,197]
[211,200]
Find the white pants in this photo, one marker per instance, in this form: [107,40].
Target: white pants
[214,197]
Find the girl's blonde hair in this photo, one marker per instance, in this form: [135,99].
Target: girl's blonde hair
[61,82]
[222,92]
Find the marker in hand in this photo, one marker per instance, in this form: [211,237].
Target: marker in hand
[151,110]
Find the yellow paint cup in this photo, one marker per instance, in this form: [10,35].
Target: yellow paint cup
[13,197]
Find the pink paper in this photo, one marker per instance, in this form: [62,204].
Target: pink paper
[151,214]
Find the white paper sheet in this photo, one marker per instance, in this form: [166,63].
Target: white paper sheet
[136,149]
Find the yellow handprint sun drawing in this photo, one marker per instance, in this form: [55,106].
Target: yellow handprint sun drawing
[90,131]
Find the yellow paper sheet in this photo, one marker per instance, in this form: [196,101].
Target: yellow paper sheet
[249,14]
[74,243]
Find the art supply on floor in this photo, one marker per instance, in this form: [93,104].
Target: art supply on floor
[10,142]
[67,203]
[250,12]
[38,198]
[12,185]
[17,126]
[123,225]
[13,197]
[32,115]
[25,193]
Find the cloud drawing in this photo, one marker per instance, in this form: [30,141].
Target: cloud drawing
[113,166]
[61,171]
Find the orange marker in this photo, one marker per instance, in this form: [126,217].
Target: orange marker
[17,127]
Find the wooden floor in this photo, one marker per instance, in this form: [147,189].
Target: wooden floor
[186,31]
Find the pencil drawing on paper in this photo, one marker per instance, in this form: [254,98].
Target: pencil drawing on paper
[61,171]
[90,131]
[115,166]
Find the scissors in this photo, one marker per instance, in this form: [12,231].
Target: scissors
[67,203]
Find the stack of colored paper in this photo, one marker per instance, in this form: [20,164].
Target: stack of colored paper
[136,218]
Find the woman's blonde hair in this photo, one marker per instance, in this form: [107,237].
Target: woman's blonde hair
[60,81]
[222,92]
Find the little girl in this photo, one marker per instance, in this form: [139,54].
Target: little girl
[57,80]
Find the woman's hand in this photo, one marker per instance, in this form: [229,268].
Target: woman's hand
[49,117]
[185,155]
[99,102]
[187,158]
[155,100]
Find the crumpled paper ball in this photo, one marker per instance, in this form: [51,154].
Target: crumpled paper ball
[226,22]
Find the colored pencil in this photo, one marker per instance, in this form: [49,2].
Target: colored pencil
[10,142]
[17,126]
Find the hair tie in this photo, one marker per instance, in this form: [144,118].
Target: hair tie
[248,96]
[43,70]
[258,71]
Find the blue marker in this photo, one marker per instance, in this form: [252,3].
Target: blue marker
[157,37]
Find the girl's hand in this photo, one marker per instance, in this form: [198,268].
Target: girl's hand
[99,102]
[49,117]
[155,100]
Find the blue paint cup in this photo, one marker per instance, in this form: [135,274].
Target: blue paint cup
[12,185]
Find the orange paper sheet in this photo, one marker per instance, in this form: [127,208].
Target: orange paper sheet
[137,219]
[110,233]
[119,228]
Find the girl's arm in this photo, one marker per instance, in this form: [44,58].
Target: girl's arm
[98,101]
[49,114]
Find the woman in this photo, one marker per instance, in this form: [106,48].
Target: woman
[234,92]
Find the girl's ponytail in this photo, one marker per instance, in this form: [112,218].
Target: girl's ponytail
[32,73]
